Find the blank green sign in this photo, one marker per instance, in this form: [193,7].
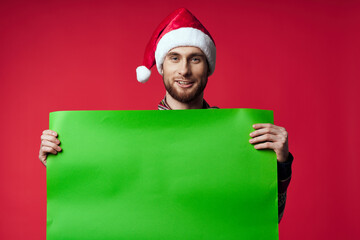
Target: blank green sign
[161,175]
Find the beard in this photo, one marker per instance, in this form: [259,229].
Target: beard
[187,95]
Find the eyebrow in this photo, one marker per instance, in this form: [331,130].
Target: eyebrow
[172,53]
[191,55]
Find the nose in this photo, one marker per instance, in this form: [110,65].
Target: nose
[184,68]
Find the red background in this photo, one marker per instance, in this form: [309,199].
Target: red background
[298,58]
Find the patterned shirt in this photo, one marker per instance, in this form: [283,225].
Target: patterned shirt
[284,169]
[164,106]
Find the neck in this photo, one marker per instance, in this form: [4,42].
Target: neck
[176,105]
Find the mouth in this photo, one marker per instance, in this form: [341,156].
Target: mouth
[184,84]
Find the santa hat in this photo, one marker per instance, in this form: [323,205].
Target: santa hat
[180,28]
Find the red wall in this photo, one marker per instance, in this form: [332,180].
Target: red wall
[299,58]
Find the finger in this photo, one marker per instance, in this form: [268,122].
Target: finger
[43,160]
[50,144]
[268,125]
[265,145]
[264,138]
[262,125]
[41,156]
[50,132]
[263,131]
[46,149]
[50,138]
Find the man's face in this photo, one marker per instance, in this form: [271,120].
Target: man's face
[185,73]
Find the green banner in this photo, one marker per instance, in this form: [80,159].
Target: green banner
[161,175]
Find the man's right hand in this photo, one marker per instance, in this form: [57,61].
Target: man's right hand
[49,144]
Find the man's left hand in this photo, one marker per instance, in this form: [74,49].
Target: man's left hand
[270,136]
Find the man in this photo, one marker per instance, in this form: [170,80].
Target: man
[184,53]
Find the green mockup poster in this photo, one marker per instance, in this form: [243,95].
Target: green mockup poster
[161,175]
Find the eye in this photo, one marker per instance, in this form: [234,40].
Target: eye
[173,58]
[195,59]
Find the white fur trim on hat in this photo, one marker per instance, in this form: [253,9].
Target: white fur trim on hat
[185,37]
[142,74]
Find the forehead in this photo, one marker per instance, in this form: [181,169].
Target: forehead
[187,50]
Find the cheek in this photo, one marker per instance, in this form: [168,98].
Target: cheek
[167,76]
[200,72]
[168,70]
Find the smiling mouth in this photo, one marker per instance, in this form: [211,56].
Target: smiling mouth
[184,84]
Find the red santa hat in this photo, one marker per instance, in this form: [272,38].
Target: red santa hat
[180,28]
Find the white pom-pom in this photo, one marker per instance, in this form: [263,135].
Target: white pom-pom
[143,74]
